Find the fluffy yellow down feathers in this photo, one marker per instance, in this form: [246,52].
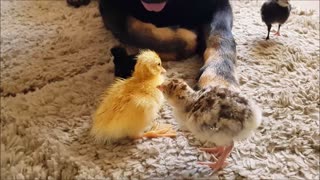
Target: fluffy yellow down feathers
[129,106]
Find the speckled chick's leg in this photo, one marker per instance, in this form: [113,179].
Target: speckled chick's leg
[223,153]
[216,151]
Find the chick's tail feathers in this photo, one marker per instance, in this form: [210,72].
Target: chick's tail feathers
[121,115]
[114,115]
[253,119]
[114,122]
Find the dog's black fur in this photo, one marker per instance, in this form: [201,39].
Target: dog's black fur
[123,63]
[78,3]
[211,20]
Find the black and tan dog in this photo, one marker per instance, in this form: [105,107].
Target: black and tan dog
[177,29]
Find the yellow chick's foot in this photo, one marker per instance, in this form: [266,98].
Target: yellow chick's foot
[222,153]
[157,130]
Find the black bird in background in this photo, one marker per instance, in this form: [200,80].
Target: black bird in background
[123,63]
[275,11]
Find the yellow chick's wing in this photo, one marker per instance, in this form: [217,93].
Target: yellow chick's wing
[123,113]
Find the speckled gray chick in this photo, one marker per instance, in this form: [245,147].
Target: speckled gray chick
[214,114]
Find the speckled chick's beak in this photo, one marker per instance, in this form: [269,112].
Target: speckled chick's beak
[160,87]
[163,71]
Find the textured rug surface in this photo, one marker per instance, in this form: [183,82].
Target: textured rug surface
[55,63]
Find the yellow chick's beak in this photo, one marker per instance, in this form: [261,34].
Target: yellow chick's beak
[163,71]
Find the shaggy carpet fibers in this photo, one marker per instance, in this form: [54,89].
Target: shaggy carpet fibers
[55,63]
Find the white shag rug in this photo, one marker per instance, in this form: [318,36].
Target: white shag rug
[55,63]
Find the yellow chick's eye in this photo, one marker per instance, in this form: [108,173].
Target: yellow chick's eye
[159,64]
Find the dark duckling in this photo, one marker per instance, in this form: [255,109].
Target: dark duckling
[275,12]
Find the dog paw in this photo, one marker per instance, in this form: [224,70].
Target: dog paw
[189,37]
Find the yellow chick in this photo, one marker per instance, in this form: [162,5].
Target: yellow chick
[129,106]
